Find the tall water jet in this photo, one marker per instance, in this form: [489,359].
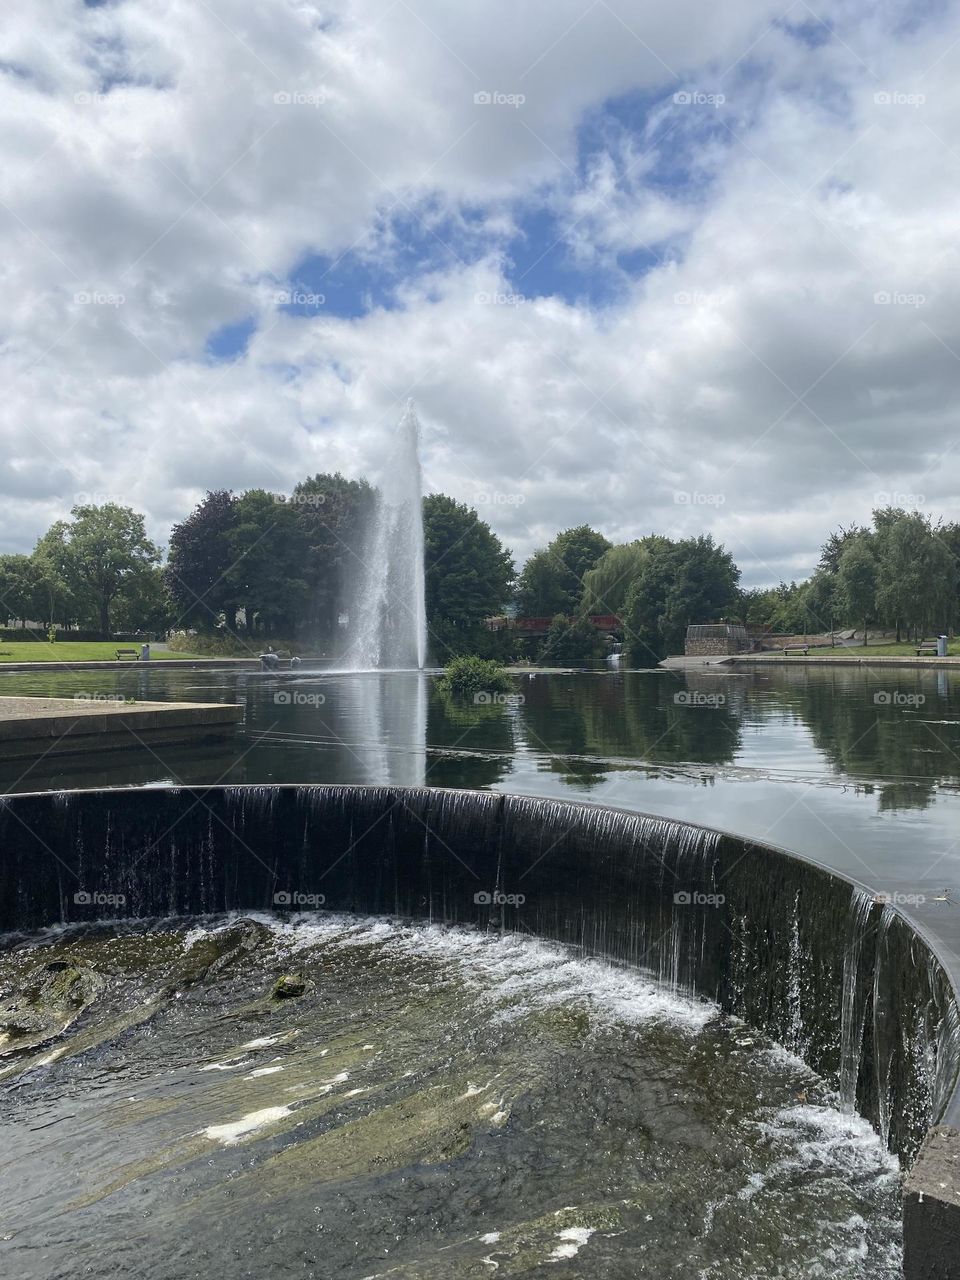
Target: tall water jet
[388,625]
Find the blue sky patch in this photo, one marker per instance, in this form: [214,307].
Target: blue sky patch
[231,340]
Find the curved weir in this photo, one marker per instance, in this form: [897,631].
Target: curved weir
[803,955]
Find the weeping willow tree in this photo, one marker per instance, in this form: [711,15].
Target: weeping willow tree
[605,586]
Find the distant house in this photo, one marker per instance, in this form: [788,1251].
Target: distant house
[714,639]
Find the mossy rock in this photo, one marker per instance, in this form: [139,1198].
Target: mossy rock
[288,987]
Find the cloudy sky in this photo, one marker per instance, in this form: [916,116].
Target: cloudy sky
[664,267]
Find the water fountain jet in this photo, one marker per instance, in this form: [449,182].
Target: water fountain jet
[388,616]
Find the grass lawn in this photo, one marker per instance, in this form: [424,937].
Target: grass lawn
[68,651]
[879,651]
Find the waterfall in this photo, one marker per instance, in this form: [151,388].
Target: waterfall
[388,627]
[801,955]
[853,1001]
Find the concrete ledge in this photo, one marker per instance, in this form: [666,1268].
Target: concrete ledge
[840,660]
[60,726]
[931,1209]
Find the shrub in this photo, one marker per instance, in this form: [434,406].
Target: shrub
[467,676]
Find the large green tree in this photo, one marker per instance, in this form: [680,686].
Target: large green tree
[102,553]
[469,574]
[332,511]
[691,581]
[551,581]
[18,588]
[605,586]
[915,571]
[857,577]
[198,560]
[268,547]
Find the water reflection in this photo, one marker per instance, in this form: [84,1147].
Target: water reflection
[891,735]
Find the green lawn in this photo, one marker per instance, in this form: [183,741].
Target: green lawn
[878,651]
[68,651]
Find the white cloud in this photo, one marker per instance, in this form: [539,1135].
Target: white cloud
[154,190]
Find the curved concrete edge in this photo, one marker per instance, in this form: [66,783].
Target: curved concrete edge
[931,1208]
[931,1205]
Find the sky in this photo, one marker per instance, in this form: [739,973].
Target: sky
[678,268]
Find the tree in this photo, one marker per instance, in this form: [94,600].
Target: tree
[18,588]
[833,548]
[543,587]
[198,560]
[694,580]
[101,556]
[146,605]
[53,600]
[579,549]
[915,571]
[605,586]
[552,579]
[268,547]
[333,512]
[857,580]
[469,574]
[569,641]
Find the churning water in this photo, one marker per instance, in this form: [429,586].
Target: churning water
[409,1101]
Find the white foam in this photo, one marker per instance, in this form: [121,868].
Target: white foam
[226,1066]
[520,972]
[263,1071]
[230,1134]
[574,1238]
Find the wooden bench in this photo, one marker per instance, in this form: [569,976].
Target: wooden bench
[796,648]
[931,649]
[128,653]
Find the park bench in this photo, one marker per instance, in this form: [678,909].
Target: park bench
[128,653]
[930,649]
[796,648]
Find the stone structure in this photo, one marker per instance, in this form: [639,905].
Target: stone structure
[712,640]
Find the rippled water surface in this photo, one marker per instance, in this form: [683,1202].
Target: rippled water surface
[409,1102]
